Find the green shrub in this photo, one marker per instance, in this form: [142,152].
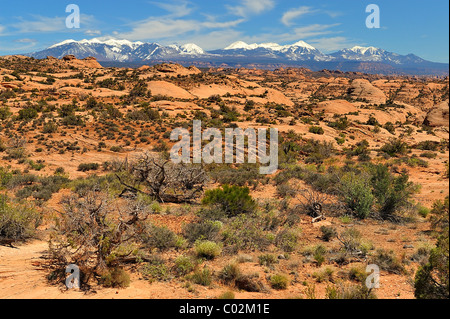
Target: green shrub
[229,273]
[247,232]
[160,237]
[233,200]
[17,222]
[316,130]
[184,265]
[356,193]
[395,147]
[202,277]
[28,114]
[328,233]
[358,274]
[207,249]
[324,275]
[84,167]
[287,240]
[388,261]
[267,260]
[279,281]
[432,279]
[350,292]
[155,271]
[227,295]
[392,193]
[204,230]
[317,151]
[115,278]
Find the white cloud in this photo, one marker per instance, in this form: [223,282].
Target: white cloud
[251,7]
[25,40]
[332,44]
[2,28]
[169,26]
[41,24]
[294,14]
[93,32]
[176,10]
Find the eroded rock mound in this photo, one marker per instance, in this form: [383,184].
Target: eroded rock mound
[438,116]
[89,62]
[363,89]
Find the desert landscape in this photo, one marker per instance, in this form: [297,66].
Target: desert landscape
[85,179]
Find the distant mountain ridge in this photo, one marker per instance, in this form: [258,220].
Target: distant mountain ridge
[241,54]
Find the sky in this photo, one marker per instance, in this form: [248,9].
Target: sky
[406,26]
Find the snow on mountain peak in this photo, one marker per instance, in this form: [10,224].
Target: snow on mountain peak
[304,45]
[364,50]
[237,45]
[240,45]
[192,48]
[108,41]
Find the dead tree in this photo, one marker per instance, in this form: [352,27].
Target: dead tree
[164,180]
[313,203]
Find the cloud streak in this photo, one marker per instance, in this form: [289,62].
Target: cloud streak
[251,7]
[293,14]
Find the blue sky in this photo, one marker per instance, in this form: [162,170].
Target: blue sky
[407,26]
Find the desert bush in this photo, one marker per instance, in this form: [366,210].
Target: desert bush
[165,181]
[287,240]
[140,89]
[358,274]
[4,113]
[317,151]
[439,214]
[115,278]
[356,193]
[267,260]
[352,242]
[324,275]
[202,277]
[27,114]
[155,270]
[432,279]
[341,124]
[279,281]
[17,222]
[245,174]
[316,130]
[229,273]
[161,238]
[145,114]
[42,188]
[85,167]
[16,148]
[204,230]
[387,261]
[207,249]
[250,283]
[184,265]
[350,292]
[227,295]
[246,232]
[94,234]
[328,233]
[427,146]
[50,127]
[392,193]
[233,200]
[395,147]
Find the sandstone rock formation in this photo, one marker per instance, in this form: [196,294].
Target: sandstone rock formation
[363,89]
[438,116]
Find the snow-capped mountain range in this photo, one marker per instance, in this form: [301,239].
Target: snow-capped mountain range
[238,53]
